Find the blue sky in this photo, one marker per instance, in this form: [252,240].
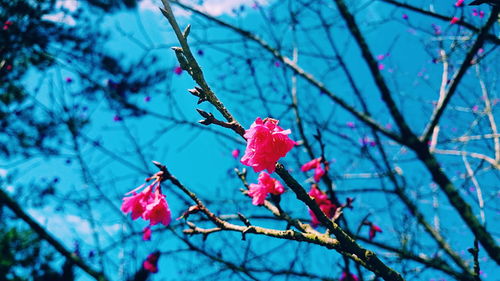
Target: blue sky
[203,161]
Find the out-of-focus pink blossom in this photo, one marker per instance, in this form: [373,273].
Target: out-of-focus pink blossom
[381,66]
[7,24]
[147,98]
[437,29]
[117,118]
[323,202]
[178,70]
[318,173]
[350,124]
[311,165]
[405,16]
[266,184]
[454,20]
[315,164]
[69,79]
[348,277]
[151,262]
[235,153]
[266,144]
[459,3]
[146,233]
[373,231]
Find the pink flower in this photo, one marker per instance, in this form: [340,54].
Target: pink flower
[146,233]
[135,204]
[318,169]
[348,277]
[117,118]
[150,204]
[323,202]
[459,3]
[311,165]
[178,70]
[318,173]
[69,79]
[147,98]
[373,231]
[381,66]
[405,16]
[454,20]
[351,124]
[266,144]
[157,210]
[235,153]
[151,263]
[265,185]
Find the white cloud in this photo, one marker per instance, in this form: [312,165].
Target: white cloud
[60,17]
[212,7]
[149,5]
[70,5]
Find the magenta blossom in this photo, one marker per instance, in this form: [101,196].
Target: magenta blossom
[373,231]
[459,3]
[178,70]
[348,277]
[266,144]
[235,153]
[318,173]
[323,202]
[146,233]
[265,185]
[311,165]
[157,210]
[151,262]
[454,20]
[150,204]
[315,164]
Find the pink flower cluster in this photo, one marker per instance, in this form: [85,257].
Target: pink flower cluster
[266,144]
[150,204]
[315,164]
[323,202]
[151,262]
[266,184]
